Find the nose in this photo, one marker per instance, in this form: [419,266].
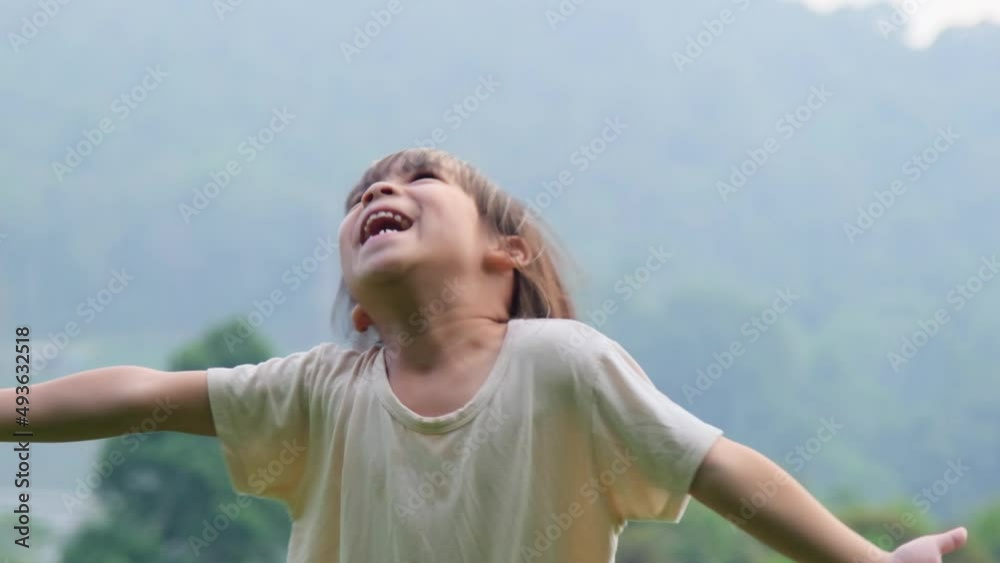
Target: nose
[377,190]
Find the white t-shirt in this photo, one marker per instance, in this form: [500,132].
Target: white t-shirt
[566,440]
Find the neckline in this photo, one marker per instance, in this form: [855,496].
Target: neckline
[454,419]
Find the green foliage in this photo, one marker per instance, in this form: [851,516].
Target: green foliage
[984,533]
[222,346]
[700,536]
[171,500]
[892,525]
[115,541]
[704,536]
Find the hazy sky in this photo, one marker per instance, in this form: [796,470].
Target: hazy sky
[930,17]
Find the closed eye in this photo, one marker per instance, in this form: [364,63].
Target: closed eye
[424,175]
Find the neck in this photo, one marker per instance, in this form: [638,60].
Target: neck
[422,348]
[425,328]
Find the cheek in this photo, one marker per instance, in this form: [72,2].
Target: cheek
[463,217]
[345,241]
[450,218]
[344,232]
[459,233]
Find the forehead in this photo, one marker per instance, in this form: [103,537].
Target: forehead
[404,165]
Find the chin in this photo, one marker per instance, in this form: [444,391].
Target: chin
[379,269]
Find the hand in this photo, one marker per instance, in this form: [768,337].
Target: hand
[929,549]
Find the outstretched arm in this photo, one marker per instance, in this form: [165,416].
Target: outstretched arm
[112,401]
[790,520]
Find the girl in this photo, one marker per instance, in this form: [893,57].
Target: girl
[484,425]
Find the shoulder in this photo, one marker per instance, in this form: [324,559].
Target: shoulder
[321,362]
[568,336]
[330,362]
[337,357]
[564,345]
[328,357]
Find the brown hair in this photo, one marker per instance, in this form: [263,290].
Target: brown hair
[539,289]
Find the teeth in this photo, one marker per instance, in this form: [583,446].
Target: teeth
[402,221]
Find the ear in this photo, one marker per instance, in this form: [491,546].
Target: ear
[360,319]
[507,253]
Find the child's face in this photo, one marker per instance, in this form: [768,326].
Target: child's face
[402,224]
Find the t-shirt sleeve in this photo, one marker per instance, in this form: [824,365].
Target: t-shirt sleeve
[647,448]
[261,419]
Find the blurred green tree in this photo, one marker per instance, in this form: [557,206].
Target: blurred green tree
[171,501]
[704,536]
[701,536]
[984,532]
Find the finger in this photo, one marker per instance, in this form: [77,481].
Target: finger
[951,540]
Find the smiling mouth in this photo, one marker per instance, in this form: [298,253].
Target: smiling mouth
[382,222]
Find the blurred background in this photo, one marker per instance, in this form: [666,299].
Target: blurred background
[822,175]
